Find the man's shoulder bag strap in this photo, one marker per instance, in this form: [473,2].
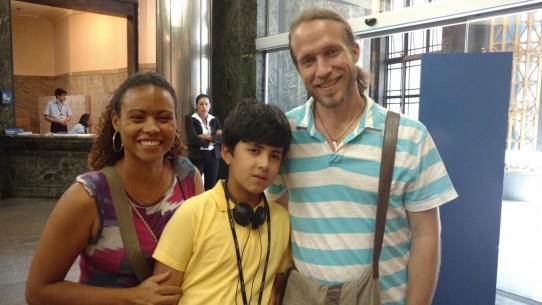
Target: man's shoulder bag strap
[384,184]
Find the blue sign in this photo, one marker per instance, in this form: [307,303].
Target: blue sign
[13,131]
[6,97]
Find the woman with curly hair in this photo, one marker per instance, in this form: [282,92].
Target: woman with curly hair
[138,139]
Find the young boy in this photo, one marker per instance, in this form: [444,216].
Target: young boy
[230,245]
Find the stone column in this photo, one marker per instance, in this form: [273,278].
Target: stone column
[7,116]
[233,57]
[183,50]
[234,54]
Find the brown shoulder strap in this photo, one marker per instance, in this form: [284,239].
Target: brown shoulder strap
[384,184]
[126,225]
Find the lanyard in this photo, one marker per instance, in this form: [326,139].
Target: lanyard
[60,107]
[239,266]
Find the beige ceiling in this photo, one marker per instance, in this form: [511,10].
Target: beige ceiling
[49,13]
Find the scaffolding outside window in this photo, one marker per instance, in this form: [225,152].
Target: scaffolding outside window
[521,34]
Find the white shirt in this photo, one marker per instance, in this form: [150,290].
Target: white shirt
[206,128]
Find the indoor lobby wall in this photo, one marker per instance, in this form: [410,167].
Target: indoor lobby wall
[44,166]
[232,77]
[85,54]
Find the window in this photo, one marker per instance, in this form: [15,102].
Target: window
[402,64]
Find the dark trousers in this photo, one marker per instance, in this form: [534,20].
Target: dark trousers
[55,128]
[208,167]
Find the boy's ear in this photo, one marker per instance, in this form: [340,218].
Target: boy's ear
[225,153]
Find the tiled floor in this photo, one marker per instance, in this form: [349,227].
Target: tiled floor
[21,223]
[506,298]
[22,219]
[519,252]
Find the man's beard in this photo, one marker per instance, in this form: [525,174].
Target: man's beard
[335,102]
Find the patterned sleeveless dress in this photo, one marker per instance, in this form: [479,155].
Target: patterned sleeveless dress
[103,261]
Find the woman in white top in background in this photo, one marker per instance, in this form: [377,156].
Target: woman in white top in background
[204,134]
[83,127]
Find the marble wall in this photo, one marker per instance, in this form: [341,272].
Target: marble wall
[233,70]
[99,85]
[233,61]
[43,166]
[6,64]
[233,54]
[28,90]
[6,82]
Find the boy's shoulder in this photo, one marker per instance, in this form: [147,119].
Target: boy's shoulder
[199,199]
[210,197]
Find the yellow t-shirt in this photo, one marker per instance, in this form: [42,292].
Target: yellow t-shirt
[198,241]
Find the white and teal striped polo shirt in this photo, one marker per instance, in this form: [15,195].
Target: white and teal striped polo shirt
[333,197]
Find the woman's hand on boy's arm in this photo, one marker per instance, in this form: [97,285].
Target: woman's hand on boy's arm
[155,290]
[169,281]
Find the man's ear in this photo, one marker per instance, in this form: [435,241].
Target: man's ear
[225,153]
[355,52]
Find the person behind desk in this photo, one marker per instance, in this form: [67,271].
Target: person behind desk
[58,113]
[83,127]
[204,134]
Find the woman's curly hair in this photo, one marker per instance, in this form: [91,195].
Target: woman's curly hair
[102,153]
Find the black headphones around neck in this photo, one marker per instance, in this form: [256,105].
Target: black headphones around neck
[243,213]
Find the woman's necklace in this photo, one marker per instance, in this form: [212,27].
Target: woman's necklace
[335,141]
[144,222]
[156,188]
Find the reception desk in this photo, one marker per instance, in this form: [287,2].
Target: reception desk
[41,166]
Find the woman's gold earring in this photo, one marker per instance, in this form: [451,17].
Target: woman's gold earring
[121,144]
[174,147]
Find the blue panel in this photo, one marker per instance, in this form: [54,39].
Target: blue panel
[464,104]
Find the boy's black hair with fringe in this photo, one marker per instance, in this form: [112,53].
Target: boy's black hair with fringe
[253,121]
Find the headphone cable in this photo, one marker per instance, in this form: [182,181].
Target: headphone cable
[238,254]
[242,252]
[258,268]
